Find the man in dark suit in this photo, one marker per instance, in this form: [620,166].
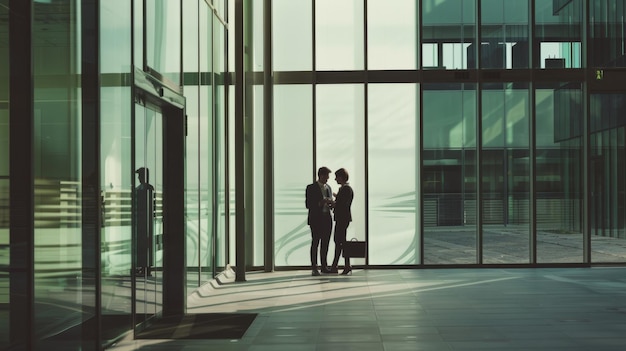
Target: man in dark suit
[144,223]
[319,201]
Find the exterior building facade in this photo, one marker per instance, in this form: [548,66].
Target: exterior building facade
[477,133]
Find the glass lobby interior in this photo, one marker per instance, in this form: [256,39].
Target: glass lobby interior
[507,155]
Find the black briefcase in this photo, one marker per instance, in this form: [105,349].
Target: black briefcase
[355,248]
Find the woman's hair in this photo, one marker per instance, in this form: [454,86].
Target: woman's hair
[341,172]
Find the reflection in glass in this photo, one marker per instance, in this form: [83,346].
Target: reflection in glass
[449,173]
[505,173]
[115,188]
[195,230]
[163,43]
[115,168]
[558,167]
[607,177]
[504,41]
[558,31]
[393,204]
[207,143]
[293,170]
[607,36]
[148,260]
[219,125]
[448,34]
[60,287]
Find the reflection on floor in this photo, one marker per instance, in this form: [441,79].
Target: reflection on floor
[571,309]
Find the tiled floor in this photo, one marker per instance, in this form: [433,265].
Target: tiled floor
[571,309]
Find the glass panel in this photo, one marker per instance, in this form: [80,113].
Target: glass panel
[607,39]
[505,173]
[504,42]
[558,161]
[196,211]
[60,289]
[148,211]
[230,175]
[4,176]
[449,34]
[115,168]
[258,180]
[292,30]
[257,18]
[116,188]
[341,144]
[293,111]
[392,197]
[558,31]
[219,64]
[194,227]
[138,29]
[607,178]
[339,35]
[391,34]
[231,36]
[163,38]
[449,171]
[206,146]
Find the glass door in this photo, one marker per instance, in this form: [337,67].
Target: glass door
[147,209]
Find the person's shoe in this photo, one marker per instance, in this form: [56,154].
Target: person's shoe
[315,273]
[325,270]
[347,271]
[333,270]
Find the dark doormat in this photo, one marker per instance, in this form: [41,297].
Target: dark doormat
[199,326]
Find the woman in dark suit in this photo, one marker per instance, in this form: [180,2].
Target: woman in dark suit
[343,217]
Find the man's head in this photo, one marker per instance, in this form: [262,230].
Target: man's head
[322,174]
[142,174]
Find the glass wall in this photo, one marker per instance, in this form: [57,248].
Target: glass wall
[163,38]
[60,289]
[219,128]
[293,135]
[206,140]
[115,166]
[608,203]
[292,35]
[505,169]
[391,34]
[393,203]
[195,227]
[340,143]
[258,181]
[449,173]
[607,37]
[203,86]
[504,35]
[4,175]
[339,34]
[558,34]
[448,34]
[513,113]
[558,182]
